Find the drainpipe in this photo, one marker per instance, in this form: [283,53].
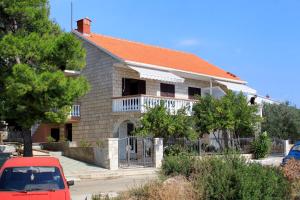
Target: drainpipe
[210,86]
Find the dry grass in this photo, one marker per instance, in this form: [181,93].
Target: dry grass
[176,188]
[292,172]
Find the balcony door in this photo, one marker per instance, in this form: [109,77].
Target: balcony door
[133,86]
[194,92]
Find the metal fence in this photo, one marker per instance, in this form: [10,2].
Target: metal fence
[214,145]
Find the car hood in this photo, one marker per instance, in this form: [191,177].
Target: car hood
[40,195]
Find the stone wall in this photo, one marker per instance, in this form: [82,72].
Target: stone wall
[96,105]
[85,154]
[55,146]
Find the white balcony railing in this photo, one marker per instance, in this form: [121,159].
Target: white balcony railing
[141,103]
[75,112]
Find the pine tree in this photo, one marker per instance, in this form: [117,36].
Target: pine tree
[34,52]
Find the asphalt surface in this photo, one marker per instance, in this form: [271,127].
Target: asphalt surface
[84,189]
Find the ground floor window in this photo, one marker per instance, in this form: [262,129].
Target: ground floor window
[55,134]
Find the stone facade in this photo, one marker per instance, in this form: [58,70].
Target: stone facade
[96,107]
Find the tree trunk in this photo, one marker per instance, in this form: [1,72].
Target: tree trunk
[225,138]
[218,140]
[27,140]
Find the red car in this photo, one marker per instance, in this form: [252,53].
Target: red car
[33,178]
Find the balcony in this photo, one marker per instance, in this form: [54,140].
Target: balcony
[141,103]
[74,114]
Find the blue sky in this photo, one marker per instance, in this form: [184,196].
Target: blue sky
[258,40]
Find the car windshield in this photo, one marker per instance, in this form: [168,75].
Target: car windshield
[296,148]
[31,179]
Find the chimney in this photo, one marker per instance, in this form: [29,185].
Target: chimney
[84,26]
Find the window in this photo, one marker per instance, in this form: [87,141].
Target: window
[133,86]
[296,148]
[193,92]
[167,90]
[31,179]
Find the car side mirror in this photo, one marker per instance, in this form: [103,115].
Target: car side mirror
[70,183]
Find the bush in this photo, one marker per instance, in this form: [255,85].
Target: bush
[84,143]
[174,150]
[180,164]
[230,177]
[50,139]
[261,146]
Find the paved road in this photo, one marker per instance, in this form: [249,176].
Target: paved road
[85,188]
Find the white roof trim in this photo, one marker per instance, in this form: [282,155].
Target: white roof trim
[177,70]
[238,87]
[154,74]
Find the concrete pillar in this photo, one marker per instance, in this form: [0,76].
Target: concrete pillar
[286,147]
[158,152]
[113,153]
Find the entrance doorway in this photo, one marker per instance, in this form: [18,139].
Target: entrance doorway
[132,140]
[55,134]
[68,129]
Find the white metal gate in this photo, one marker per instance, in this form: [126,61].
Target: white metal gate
[135,152]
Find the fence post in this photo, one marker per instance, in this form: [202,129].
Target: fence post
[113,153]
[158,152]
[286,147]
[199,144]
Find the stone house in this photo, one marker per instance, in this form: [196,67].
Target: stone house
[127,77]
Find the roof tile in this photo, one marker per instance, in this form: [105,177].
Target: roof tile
[149,54]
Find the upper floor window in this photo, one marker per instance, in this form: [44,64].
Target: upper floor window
[193,92]
[133,86]
[167,90]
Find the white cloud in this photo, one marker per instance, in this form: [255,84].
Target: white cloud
[189,42]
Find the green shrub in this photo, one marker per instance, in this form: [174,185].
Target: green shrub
[50,139]
[174,150]
[230,177]
[84,143]
[180,164]
[261,146]
[100,143]
[63,139]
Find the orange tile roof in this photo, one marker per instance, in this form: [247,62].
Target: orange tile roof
[148,54]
